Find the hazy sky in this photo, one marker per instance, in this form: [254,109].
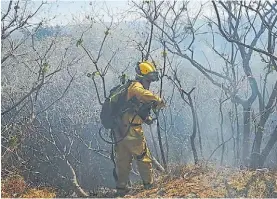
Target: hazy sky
[67,12]
[72,12]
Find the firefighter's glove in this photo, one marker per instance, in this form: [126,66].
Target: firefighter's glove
[149,120]
[158,105]
[161,104]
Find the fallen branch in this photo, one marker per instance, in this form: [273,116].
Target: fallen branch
[158,166]
[78,189]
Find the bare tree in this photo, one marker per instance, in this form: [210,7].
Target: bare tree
[182,28]
[267,14]
[176,81]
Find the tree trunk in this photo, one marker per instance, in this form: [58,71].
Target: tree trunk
[199,135]
[221,130]
[161,144]
[238,136]
[154,143]
[255,156]
[192,137]
[268,147]
[246,135]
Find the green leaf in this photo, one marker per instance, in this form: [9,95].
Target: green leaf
[164,53]
[106,32]
[13,141]
[45,68]
[79,42]
[92,75]
[96,73]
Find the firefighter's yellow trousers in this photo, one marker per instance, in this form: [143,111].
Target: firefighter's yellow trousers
[125,151]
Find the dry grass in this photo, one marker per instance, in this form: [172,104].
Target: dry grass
[16,187]
[188,181]
[211,182]
[13,186]
[39,193]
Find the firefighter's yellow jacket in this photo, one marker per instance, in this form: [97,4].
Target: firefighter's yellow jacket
[144,96]
[133,146]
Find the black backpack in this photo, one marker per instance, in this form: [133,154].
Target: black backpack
[114,105]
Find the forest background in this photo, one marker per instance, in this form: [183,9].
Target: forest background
[217,65]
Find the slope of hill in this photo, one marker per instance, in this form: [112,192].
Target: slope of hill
[190,181]
[210,181]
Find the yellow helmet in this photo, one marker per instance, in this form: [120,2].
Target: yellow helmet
[147,70]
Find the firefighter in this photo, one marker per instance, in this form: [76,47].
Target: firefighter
[133,146]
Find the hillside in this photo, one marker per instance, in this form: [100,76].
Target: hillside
[204,181]
[212,64]
[209,182]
